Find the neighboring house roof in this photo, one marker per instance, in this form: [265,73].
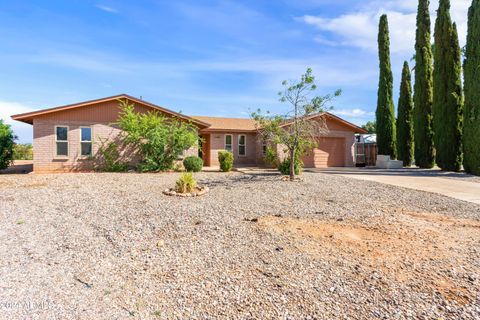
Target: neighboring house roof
[230,124]
[28,117]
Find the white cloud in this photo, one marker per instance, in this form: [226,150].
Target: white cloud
[360,28]
[22,130]
[106,8]
[353,113]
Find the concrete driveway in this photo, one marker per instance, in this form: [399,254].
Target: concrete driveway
[456,185]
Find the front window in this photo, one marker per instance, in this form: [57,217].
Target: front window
[264,147]
[85,141]
[228,142]
[61,141]
[241,145]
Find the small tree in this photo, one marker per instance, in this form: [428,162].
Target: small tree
[160,140]
[370,127]
[296,131]
[7,142]
[385,113]
[405,118]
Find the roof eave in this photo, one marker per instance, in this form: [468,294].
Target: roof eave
[28,116]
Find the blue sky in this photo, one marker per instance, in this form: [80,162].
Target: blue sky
[218,57]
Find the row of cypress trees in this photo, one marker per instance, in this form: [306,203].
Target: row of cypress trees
[430,125]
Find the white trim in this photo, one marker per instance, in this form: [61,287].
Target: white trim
[55,155]
[225,142]
[244,144]
[86,141]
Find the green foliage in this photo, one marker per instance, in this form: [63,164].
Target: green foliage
[423,95]
[405,118]
[471,138]
[110,158]
[193,164]
[385,114]
[295,130]
[370,127]
[271,156]
[159,140]
[226,160]
[7,142]
[284,166]
[447,92]
[23,151]
[186,183]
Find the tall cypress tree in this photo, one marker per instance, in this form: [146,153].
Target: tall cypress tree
[386,140]
[471,140]
[405,118]
[423,96]
[447,92]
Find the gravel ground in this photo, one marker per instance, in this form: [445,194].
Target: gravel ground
[112,246]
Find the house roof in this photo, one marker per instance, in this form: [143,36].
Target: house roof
[356,128]
[28,117]
[230,124]
[205,123]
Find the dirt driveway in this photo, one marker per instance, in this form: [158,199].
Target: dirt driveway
[455,185]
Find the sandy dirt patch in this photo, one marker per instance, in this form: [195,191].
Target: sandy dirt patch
[407,251]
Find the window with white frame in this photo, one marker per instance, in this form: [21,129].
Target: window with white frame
[242,145]
[228,142]
[61,141]
[85,141]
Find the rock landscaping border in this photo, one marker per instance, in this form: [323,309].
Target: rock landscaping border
[199,191]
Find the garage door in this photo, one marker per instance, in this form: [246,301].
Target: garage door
[329,153]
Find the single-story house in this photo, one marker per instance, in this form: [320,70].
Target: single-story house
[65,138]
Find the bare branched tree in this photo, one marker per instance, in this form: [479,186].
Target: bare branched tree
[297,130]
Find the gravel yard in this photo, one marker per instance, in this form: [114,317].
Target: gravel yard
[112,246]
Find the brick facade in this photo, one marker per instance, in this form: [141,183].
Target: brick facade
[100,115]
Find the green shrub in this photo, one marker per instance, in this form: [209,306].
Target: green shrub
[7,139]
[186,183]
[226,160]
[110,156]
[193,164]
[23,151]
[271,157]
[158,139]
[284,166]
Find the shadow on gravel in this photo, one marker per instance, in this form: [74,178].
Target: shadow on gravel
[240,179]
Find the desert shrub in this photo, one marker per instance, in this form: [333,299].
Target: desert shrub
[23,151]
[7,139]
[284,166]
[110,157]
[186,183]
[271,157]
[159,140]
[193,164]
[226,160]
[178,167]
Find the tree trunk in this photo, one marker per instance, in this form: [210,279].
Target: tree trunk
[292,165]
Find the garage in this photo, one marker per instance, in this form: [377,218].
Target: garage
[330,152]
